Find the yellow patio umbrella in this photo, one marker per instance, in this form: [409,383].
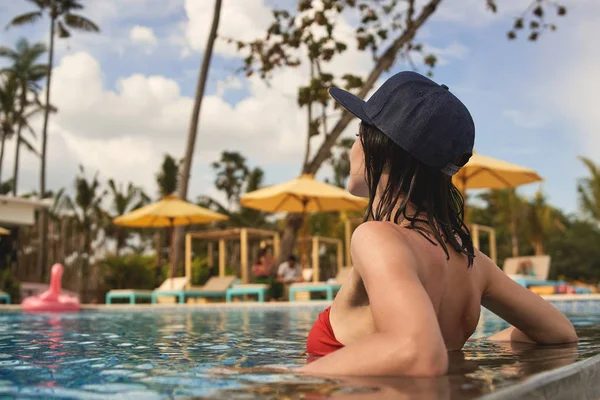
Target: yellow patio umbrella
[483,172]
[169,212]
[4,231]
[302,195]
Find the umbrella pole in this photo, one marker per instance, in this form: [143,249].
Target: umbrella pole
[464,194]
[304,236]
[172,267]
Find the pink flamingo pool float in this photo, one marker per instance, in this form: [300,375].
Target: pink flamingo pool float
[52,299]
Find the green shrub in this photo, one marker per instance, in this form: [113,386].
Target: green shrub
[10,284]
[200,271]
[130,272]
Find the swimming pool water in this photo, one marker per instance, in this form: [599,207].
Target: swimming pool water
[192,353]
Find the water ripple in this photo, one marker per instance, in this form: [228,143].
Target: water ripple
[165,354]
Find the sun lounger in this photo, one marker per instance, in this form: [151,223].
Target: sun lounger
[134,294]
[541,270]
[321,287]
[5,296]
[258,289]
[215,288]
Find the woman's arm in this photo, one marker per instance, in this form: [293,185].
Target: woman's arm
[408,341]
[533,319]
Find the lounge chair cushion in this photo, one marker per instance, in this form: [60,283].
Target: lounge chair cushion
[174,283]
[541,266]
[130,291]
[252,286]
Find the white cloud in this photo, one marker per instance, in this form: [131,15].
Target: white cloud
[111,10]
[239,20]
[568,85]
[526,120]
[143,35]
[231,83]
[475,13]
[124,132]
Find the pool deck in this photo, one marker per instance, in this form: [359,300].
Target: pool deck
[556,298]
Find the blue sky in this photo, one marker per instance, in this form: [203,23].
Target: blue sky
[125,95]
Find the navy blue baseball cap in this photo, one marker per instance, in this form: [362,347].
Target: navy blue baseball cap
[420,116]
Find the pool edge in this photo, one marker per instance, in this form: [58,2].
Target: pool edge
[575,381]
[561,298]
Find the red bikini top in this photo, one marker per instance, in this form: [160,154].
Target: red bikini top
[321,339]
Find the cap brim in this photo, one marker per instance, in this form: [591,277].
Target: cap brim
[353,104]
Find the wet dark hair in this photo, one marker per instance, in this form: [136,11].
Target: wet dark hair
[439,204]
[292,257]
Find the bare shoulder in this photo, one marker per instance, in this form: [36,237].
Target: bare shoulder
[379,233]
[379,243]
[487,270]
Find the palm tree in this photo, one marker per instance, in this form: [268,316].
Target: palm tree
[6,187]
[28,72]
[62,19]
[341,163]
[167,177]
[193,128]
[8,113]
[232,173]
[124,200]
[86,212]
[542,220]
[507,209]
[589,191]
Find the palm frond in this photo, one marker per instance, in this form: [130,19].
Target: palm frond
[38,48]
[209,202]
[29,146]
[113,187]
[66,6]
[590,165]
[8,53]
[79,22]
[38,72]
[27,18]
[41,3]
[61,31]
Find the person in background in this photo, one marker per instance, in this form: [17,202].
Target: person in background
[262,270]
[289,271]
[526,268]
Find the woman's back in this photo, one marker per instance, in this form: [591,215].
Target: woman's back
[453,289]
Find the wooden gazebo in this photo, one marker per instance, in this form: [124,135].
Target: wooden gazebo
[224,235]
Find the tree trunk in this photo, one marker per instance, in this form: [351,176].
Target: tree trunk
[514,238]
[63,240]
[85,270]
[384,62]
[18,141]
[2,153]
[120,241]
[293,223]
[539,249]
[193,128]
[43,220]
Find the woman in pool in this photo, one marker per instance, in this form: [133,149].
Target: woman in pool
[417,284]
